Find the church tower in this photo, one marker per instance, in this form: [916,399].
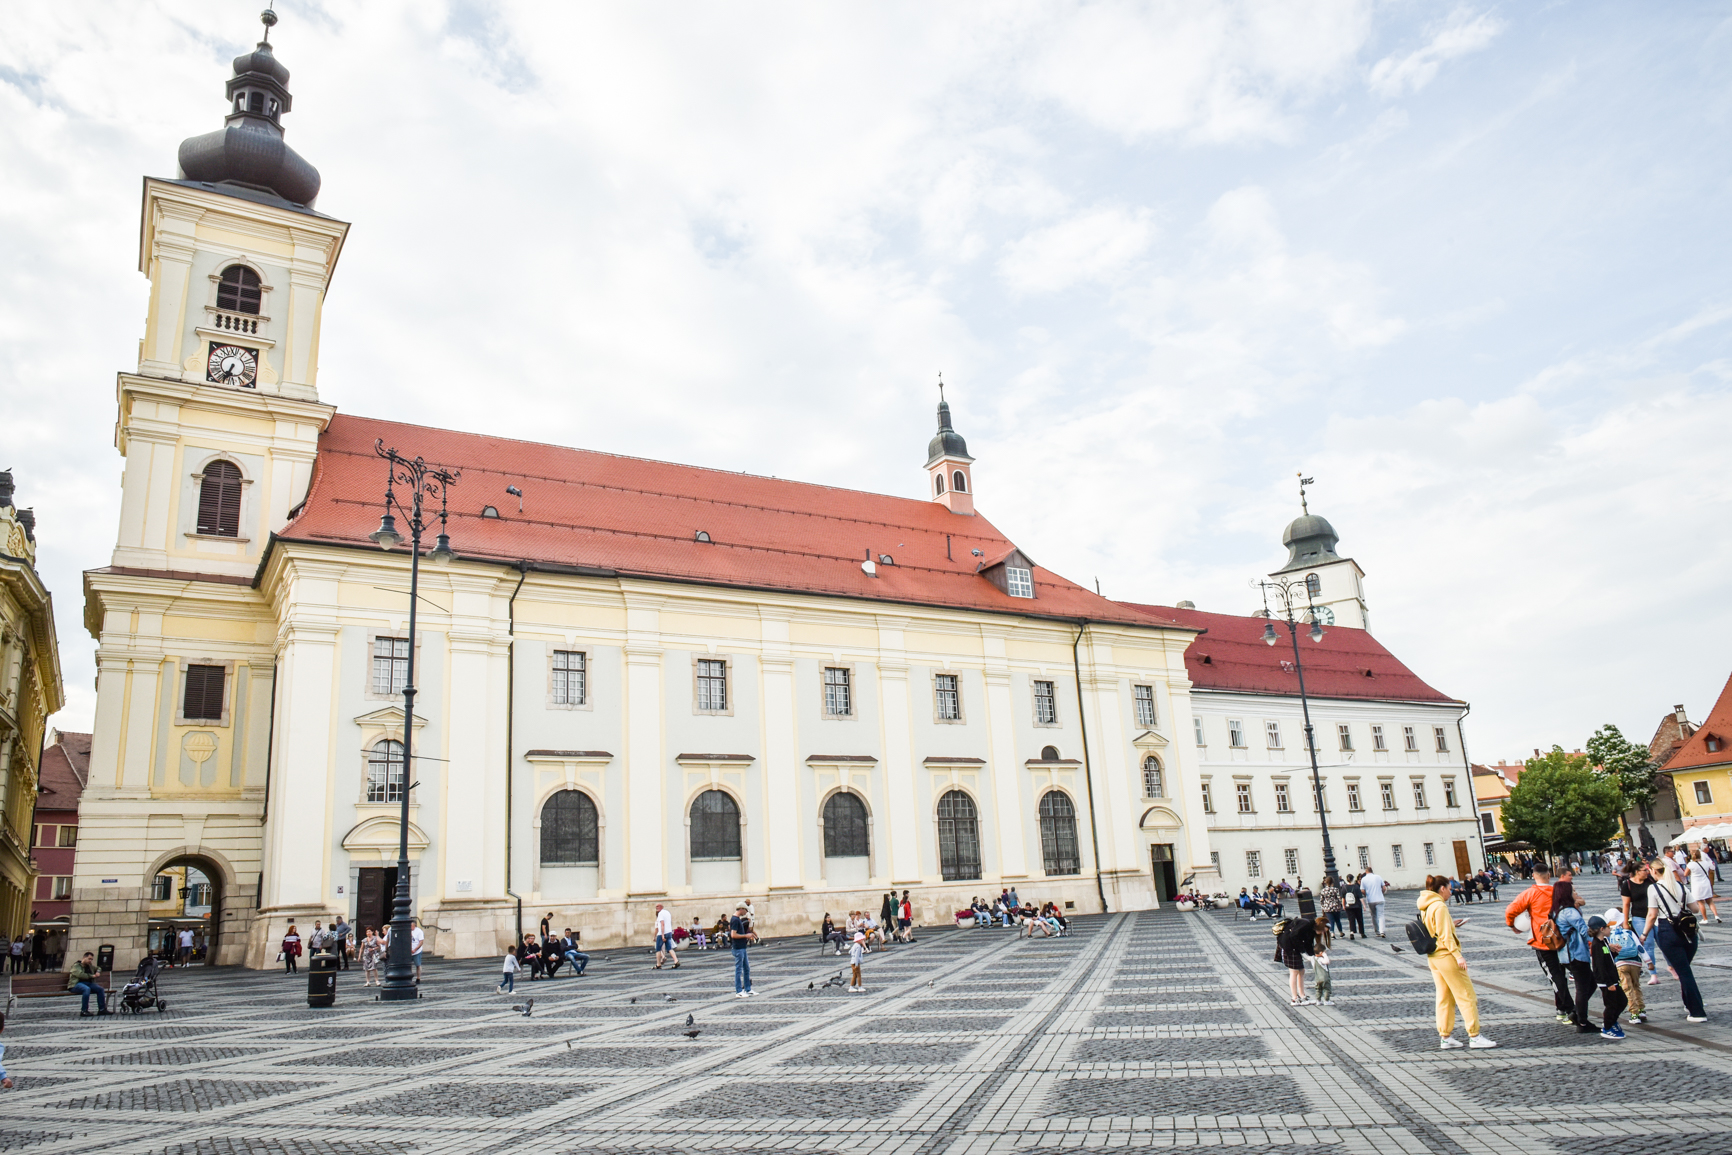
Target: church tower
[1310,542]
[948,464]
[218,427]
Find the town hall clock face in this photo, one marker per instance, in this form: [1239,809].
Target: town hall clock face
[232,365]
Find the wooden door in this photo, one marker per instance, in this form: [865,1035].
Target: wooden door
[374,891]
[1463,865]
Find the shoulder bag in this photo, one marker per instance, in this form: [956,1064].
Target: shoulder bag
[1683,922]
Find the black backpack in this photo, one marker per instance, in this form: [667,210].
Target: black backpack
[1420,937]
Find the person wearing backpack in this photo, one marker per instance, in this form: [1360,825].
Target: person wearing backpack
[1626,947]
[1436,929]
[1602,957]
[1353,901]
[1674,928]
[1567,916]
[1536,903]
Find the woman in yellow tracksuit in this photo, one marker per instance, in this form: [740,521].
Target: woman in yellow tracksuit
[1449,969]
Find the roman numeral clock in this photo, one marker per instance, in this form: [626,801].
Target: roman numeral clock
[232,365]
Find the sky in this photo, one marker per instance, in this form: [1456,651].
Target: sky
[1466,265]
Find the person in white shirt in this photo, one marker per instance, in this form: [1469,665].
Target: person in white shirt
[1373,886]
[417,937]
[1701,884]
[186,946]
[664,932]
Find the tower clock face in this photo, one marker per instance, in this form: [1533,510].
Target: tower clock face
[232,365]
[1325,616]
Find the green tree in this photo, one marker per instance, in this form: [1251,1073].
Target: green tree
[1562,804]
[1625,763]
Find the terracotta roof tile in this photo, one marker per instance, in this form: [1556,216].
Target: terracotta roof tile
[65,770]
[634,517]
[1347,663]
[1716,728]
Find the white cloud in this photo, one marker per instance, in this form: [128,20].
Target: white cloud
[1096,245]
[1461,34]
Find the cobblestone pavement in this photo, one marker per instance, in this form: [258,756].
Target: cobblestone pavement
[1138,1033]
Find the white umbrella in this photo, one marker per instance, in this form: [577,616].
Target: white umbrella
[1681,839]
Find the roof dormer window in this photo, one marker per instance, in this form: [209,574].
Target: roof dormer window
[1019,582]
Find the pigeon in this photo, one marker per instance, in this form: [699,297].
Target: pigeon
[568,1044]
[693,1034]
[669,999]
[689,1020]
[809,986]
[525,1008]
[634,999]
[928,984]
[1394,948]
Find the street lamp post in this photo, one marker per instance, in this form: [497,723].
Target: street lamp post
[1287,593]
[423,481]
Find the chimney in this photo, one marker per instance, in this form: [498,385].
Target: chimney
[1678,711]
[27,519]
[6,488]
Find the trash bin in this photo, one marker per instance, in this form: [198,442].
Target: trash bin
[322,980]
[105,957]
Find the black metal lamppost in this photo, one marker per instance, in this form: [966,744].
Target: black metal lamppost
[423,481]
[1287,592]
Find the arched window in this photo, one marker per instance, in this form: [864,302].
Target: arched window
[958,482]
[219,500]
[238,291]
[570,831]
[1153,784]
[715,826]
[1049,753]
[844,827]
[385,771]
[958,837]
[938,480]
[1058,833]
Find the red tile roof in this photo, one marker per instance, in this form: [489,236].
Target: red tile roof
[1347,663]
[1694,753]
[65,770]
[633,517]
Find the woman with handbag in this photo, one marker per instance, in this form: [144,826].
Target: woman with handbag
[1701,884]
[291,949]
[1574,955]
[1674,928]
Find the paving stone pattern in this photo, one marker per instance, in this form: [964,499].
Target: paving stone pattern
[1139,1033]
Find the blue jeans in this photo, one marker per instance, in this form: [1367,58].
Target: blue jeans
[742,970]
[577,959]
[88,989]
[1648,943]
[1679,951]
[509,981]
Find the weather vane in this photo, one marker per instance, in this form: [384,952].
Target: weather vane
[1303,482]
[268,18]
[941,385]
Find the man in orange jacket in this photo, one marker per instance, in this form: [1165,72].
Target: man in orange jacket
[1536,903]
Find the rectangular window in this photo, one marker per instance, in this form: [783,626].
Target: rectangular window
[1703,794]
[712,684]
[1353,802]
[1045,707]
[1418,795]
[203,701]
[1243,789]
[1273,731]
[949,698]
[1647,812]
[1208,799]
[1292,861]
[1449,798]
[390,665]
[1145,700]
[1344,735]
[63,886]
[1377,742]
[1019,581]
[162,888]
[1487,824]
[838,692]
[1283,803]
[1215,860]
[1365,858]
[1430,854]
[1235,733]
[68,836]
[1442,736]
[42,835]
[1254,863]
[1410,738]
[1395,856]
[1388,791]
[1197,726]
[1320,797]
[570,678]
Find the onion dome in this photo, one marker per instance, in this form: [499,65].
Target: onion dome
[949,442]
[249,151]
[1310,541]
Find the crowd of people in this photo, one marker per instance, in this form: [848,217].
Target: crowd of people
[1032,920]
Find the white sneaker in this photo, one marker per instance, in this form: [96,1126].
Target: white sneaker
[1695,1018]
[1449,1043]
[1480,1043]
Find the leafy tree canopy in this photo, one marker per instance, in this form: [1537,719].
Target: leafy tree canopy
[1625,763]
[1562,804]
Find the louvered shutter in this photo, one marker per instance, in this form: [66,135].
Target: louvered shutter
[219,500]
[204,694]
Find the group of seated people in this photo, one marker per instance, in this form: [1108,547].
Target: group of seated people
[862,922]
[1006,910]
[1045,921]
[697,937]
[1261,903]
[542,959]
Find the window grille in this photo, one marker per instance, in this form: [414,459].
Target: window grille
[1254,863]
[1273,730]
[838,697]
[1344,734]
[712,684]
[570,830]
[715,826]
[1283,802]
[390,665]
[1208,799]
[1449,798]
[1430,854]
[1388,791]
[570,678]
[219,500]
[1058,842]
[203,701]
[1144,697]
[1409,738]
[1419,796]
[1291,859]
[385,771]
[1153,786]
[1377,742]
[1442,736]
[1243,790]
[958,837]
[1018,580]
[1353,796]
[1235,732]
[1365,858]
[239,290]
[949,698]
[1395,856]
[1045,708]
[844,826]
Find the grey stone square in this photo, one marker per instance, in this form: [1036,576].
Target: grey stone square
[609,1058]
[794,1100]
[1078,1098]
[1599,1083]
[1206,1050]
[183,1095]
[1177,1017]
[480,1098]
[283,1145]
[379,1058]
[879,1055]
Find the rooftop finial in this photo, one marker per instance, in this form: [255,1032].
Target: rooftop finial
[1303,482]
[269,19]
[941,387]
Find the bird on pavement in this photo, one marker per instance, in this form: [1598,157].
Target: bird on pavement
[669,999]
[693,1034]
[634,999]
[1395,948]
[809,986]
[689,1020]
[525,1008]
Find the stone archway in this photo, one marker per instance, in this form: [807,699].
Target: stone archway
[184,900]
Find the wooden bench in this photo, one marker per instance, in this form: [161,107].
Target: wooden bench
[50,983]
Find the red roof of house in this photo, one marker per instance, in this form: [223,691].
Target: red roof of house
[1347,663]
[65,770]
[633,517]
[1717,727]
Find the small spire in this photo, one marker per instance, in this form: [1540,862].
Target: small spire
[1303,482]
[941,387]
[269,19]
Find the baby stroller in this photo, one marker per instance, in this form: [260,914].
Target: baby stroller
[140,994]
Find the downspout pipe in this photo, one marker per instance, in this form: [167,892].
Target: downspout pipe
[265,810]
[1088,773]
[1472,792]
[510,716]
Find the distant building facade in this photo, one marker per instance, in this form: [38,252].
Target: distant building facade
[54,839]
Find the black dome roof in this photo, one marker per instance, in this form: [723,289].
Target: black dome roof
[949,442]
[249,149]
